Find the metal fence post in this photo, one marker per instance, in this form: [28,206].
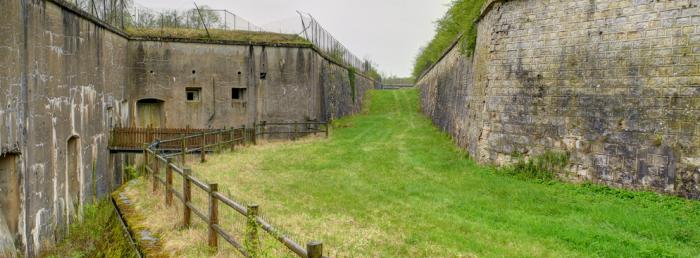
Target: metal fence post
[202,155]
[252,242]
[169,183]
[314,249]
[213,215]
[187,196]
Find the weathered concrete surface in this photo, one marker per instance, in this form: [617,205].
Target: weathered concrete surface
[614,83]
[280,83]
[66,79]
[62,78]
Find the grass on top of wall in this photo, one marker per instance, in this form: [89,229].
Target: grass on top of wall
[459,19]
[217,34]
[389,184]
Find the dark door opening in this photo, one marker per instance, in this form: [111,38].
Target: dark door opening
[9,199]
[73,175]
[150,113]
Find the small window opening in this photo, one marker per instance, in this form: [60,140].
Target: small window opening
[263,76]
[237,93]
[193,94]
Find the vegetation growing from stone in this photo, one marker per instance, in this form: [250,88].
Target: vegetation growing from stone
[458,20]
[98,234]
[543,167]
[217,34]
[351,78]
[389,184]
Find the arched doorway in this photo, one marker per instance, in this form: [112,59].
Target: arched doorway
[150,113]
[73,175]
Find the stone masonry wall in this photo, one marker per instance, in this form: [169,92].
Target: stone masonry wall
[614,83]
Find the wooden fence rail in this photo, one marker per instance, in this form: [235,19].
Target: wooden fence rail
[202,142]
[169,139]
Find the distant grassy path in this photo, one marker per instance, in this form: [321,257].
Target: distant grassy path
[389,184]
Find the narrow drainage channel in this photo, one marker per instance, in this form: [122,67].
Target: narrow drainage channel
[127,233]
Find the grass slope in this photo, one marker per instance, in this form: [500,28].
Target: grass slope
[389,184]
[217,34]
[459,19]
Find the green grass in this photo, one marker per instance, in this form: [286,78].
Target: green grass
[217,34]
[99,234]
[459,19]
[388,184]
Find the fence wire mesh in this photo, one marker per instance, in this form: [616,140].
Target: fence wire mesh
[127,14]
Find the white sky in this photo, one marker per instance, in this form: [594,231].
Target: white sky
[388,32]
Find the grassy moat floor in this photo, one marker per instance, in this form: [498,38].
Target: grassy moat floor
[387,183]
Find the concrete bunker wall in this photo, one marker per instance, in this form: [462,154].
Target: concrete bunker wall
[216,85]
[67,78]
[613,83]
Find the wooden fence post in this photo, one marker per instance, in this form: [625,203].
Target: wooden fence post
[213,215]
[219,140]
[296,131]
[327,125]
[183,147]
[232,138]
[245,136]
[202,151]
[156,172]
[252,242]
[145,158]
[169,183]
[187,195]
[255,134]
[314,249]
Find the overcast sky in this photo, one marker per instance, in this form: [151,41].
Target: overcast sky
[389,32]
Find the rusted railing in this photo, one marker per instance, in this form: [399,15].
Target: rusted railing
[155,159]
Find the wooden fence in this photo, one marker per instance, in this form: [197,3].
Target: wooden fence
[133,138]
[155,159]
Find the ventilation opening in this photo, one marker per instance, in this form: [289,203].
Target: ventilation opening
[263,76]
[9,199]
[237,93]
[193,94]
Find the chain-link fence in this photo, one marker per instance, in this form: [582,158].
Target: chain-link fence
[109,11]
[127,14]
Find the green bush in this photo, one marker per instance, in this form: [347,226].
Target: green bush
[458,20]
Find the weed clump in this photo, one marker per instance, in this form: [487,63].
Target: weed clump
[99,234]
[544,167]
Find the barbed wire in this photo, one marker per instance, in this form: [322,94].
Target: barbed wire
[128,14]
